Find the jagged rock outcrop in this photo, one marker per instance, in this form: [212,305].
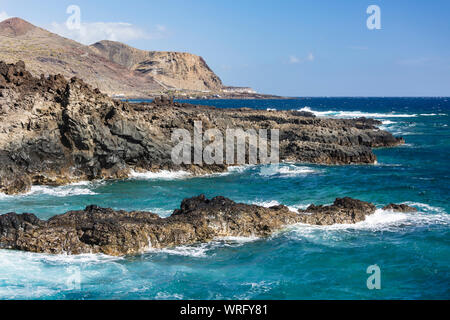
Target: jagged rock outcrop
[100,230]
[55,131]
[400,208]
[173,70]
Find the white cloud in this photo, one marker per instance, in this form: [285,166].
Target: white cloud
[294,59]
[3,16]
[89,33]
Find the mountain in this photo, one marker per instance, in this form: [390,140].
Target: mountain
[177,70]
[114,68]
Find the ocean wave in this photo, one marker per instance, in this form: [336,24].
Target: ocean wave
[356,114]
[238,239]
[384,220]
[194,251]
[273,203]
[27,275]
[160,175]
[423,207]
[159,211]
[241,168]
[203,250]
[70,190]
[296,207]
[16,258]
[285,170]
[399,128]
[64,191]
[266,204]
[230,170]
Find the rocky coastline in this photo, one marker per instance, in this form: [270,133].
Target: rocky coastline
[55,131]
[199,220]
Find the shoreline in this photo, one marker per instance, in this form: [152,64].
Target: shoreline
[184,174]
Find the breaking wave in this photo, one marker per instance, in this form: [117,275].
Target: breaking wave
[70,190]
[160,175]
[203,250]
[286,170]
[387,220]
[273,203]
[357,114]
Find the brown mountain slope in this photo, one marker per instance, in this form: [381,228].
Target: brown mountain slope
[112,67]
[47,53]
[174,70]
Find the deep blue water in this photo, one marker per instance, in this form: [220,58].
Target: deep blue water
[301,262]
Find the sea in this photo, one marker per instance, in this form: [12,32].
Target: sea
[409,251]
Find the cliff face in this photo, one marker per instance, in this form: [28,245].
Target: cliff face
[112,67]
[174,70]
[55,131]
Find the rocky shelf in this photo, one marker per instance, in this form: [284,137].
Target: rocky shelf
[117,233]
[55,131]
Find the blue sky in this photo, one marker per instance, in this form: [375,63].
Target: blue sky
[286,47]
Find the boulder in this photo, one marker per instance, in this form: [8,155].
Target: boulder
[400,208]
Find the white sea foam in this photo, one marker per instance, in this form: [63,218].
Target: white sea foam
[16,258]
[32,276]
[286,170]
[168,296]
[266,204]
[296,207]
[197,251]
[230,170]
[160,175]
[237,240]
[74,189]
[423,207]
[159,211]
[202,250]
[241,168]
[273,203]
[356,114]
[385,220]
[64,191]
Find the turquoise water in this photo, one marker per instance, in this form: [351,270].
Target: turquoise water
[301,262]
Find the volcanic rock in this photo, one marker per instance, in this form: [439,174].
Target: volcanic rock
[342,211]
[55,131]
[400,208]
[101,230]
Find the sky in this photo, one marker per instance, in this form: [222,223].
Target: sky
[286,47]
